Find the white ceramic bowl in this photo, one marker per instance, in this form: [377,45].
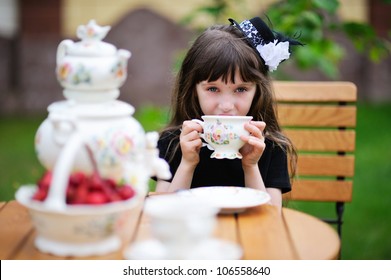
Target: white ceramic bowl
[180,223]
[82,230]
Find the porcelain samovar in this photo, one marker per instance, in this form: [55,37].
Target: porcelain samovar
[91,72]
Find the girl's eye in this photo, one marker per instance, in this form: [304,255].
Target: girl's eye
[241,89]
[212,89]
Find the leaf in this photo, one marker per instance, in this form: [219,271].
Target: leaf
[330,6]
[329,68]
[312,19]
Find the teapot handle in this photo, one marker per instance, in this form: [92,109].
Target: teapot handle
[62,50]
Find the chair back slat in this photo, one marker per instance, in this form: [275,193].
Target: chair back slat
[321,191]
[322,140]
[326,165]
[320,119]
[315,91]
[317,115]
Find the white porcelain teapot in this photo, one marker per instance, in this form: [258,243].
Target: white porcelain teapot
[92,116]
[91,70]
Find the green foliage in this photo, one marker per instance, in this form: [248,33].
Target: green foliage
[316,23]
[305,16]
[152,118]
[365,40]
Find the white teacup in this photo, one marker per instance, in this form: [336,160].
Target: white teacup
[222,134]
[180,223]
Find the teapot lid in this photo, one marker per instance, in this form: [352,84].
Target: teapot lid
[91,44]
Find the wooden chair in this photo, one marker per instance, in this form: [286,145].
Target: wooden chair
[320,119]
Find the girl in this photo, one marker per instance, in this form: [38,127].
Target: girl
[226,72]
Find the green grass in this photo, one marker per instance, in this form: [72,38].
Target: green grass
[367,224]
[18,162]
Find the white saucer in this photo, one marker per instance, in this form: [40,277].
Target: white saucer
[211,249]
[229,199]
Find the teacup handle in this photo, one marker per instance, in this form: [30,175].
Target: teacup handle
[201,123]
[202,135]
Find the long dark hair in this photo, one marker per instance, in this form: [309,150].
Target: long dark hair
[219,52]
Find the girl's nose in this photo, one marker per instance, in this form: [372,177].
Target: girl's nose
[226,105]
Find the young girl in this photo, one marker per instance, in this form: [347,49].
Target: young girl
[226,72]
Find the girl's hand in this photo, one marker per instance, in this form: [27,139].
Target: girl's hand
[255,143]
[190,142]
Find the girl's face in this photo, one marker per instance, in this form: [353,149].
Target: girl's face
[219,98]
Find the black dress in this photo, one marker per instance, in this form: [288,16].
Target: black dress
[228,172]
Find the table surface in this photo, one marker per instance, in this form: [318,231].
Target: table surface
[262,232]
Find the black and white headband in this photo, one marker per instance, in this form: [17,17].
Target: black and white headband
[272,47]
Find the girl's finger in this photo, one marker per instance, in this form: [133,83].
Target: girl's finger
[188,126]
[255,128]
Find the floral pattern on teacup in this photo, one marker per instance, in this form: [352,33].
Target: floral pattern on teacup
[220,134]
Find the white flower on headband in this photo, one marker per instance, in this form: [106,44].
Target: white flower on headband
[273,53]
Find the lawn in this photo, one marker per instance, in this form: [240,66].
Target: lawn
[367,224]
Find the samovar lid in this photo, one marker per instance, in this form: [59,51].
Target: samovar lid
[112,109]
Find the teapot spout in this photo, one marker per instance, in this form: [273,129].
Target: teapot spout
[162,169]
[123,55]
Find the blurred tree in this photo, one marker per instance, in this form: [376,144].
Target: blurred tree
[317,23]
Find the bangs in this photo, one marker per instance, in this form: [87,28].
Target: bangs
[222,58]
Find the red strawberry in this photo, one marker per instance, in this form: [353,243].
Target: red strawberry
[40,194]
[71,193]
[109,191]
[83,189]
[126,192]
[46,179]
[96,197]
[111,183]
[81,194]
[95,182]
[77,178]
